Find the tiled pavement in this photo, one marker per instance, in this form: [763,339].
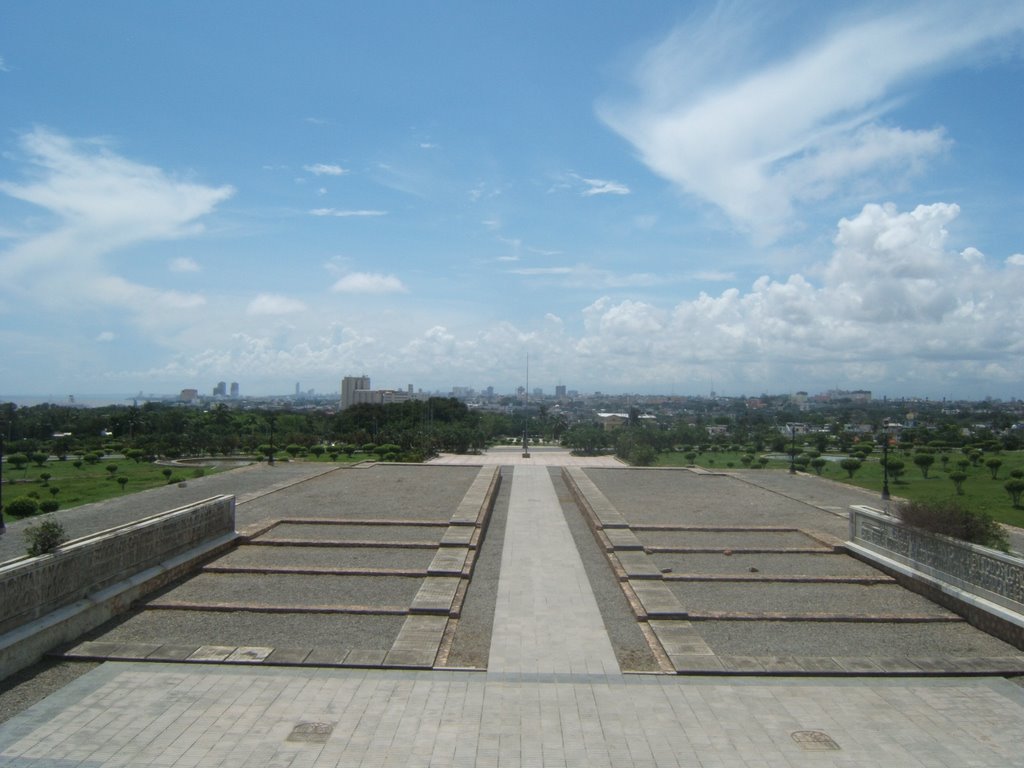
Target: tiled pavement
[519,712]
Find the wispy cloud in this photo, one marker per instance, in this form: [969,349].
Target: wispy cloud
[369,282]
[105,337]
[100,202]
[183,264]
[343,213]
[3,65]
[325,169]
[602,187]
[274,304]
[759,139]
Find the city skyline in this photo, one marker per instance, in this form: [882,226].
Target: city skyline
[718,197]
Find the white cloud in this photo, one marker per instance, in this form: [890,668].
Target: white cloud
[346,213]
[100,201]
[105,336]
[603,187]
[760,138]
[529,271]
[184,264]
[325,169]
[367,282]
[427,145]
[274,304]
[1016,260]
[714,276]
[3,65]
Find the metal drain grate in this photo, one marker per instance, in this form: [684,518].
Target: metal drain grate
[315,733]
[814,741]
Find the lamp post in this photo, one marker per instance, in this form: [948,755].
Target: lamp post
[885,468]
[3,526]
[792,449]
[270,458]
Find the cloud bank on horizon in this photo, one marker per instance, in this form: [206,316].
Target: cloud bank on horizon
[381,249]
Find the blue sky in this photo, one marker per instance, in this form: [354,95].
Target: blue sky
[649,198]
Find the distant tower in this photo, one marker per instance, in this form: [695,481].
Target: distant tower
[349,385]
[220,390]
[296,389]
[234,389]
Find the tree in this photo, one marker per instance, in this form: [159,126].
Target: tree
[1015,488]
[294,450]
[993,467]
[39,458]
[895,468]
[818,464]
[958,481]
[167,472]
[136,455]
[850,465]
[45,477]
[318,450]
[122,481]
[924,462]
[112,469]
[44,538]
[19,460]
[22,507]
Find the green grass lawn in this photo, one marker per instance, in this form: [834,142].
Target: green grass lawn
[980,492]
[91,482]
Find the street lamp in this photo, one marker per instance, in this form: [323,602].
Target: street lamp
[792,449]
[270,457]
[3,527]
[885,468]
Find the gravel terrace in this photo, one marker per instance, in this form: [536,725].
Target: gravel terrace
[798,599]
[291,589]
[326,533]
[819,638]
[331,631]
[681,497]
[326,557]
[722,540]
[766,564]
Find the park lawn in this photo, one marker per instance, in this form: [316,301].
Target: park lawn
[980,492]
[93,482]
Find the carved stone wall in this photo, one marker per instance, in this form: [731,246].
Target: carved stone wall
[984,572]
[32,587]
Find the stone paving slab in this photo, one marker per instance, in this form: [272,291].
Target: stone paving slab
[436,595]
[418,642]
[448,561]
[174,715]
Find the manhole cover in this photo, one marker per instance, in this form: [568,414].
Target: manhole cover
[814,741]
[317,733]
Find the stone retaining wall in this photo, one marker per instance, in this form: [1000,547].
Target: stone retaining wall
[55,597]
[982,584]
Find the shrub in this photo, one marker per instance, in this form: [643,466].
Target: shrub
[49,505]
[950,519]
[23,507]
[44,537]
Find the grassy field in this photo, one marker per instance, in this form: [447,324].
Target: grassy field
[980,492]
[94,482]
[88,483]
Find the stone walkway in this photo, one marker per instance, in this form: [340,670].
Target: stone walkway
[552,696]
[546,619]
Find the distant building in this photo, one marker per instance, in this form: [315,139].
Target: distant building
[188,395]
[220,390]
[560,391]
[234,389]
[349,386]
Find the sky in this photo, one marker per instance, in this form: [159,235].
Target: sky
[656,197]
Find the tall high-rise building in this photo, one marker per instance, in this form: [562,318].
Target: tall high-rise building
[234,389]
[349,386]
[560,391]
[220,390]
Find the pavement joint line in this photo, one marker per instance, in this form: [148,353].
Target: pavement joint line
[777,578]
[340,543]
[845,618]
[315,570]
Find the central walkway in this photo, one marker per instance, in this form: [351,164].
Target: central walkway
[546,618]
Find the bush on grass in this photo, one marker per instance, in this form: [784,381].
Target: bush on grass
[951,519]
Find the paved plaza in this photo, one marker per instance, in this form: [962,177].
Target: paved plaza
[578,568]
